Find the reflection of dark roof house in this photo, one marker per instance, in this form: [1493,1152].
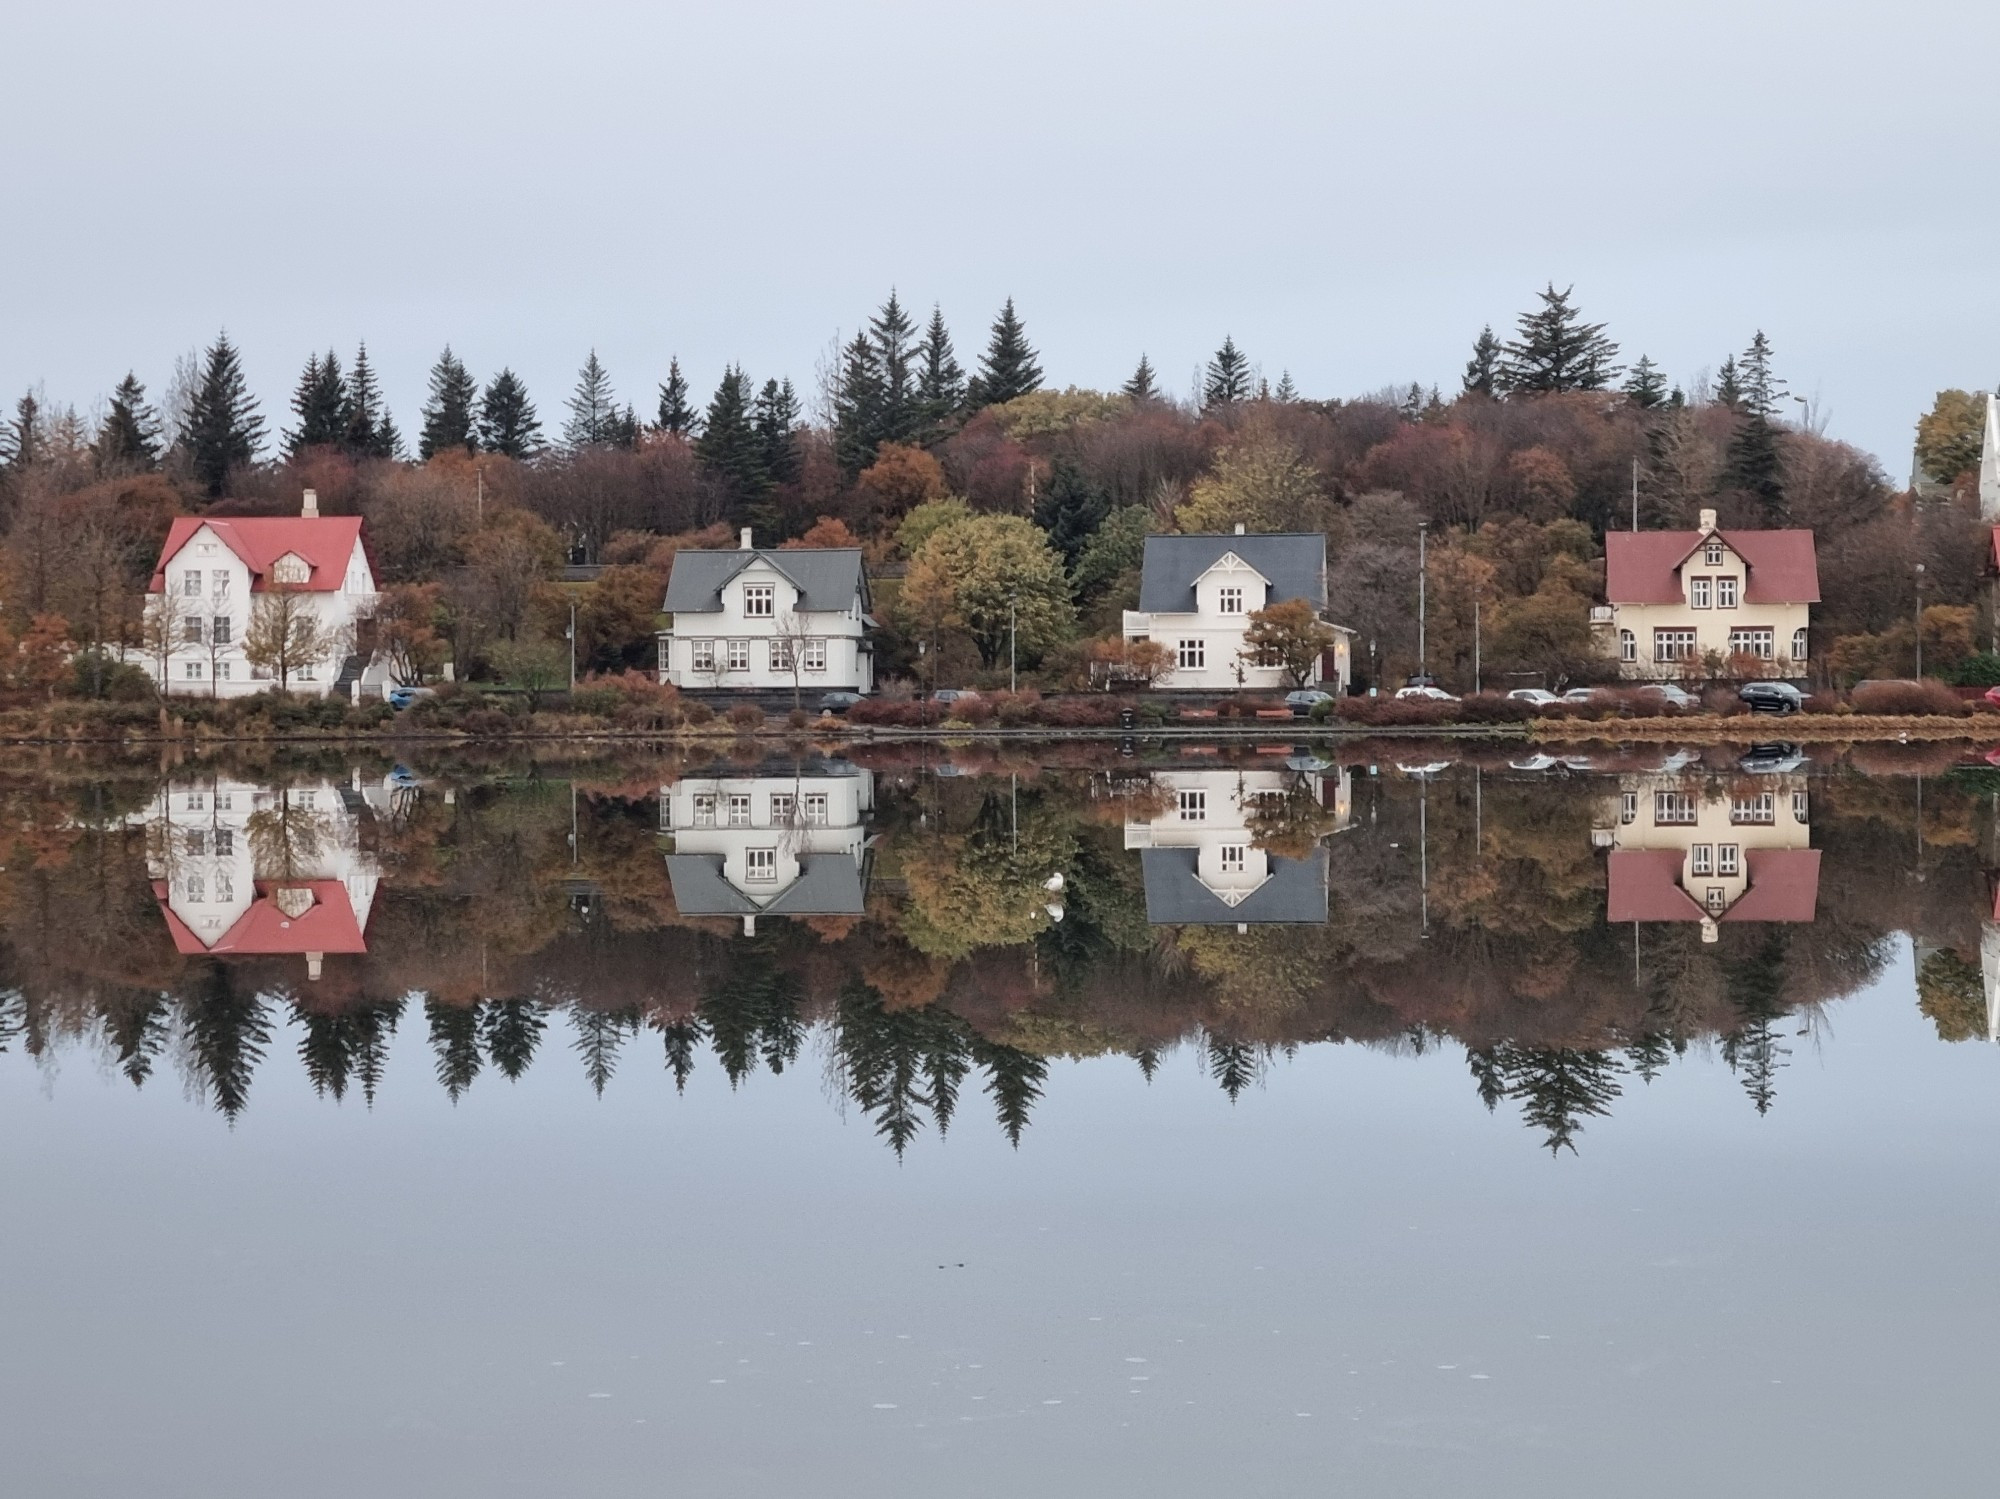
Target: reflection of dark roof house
[1293,895]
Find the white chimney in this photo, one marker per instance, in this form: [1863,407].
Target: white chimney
[746,546]
[310,510]
[1239,528]
[314,960]
[1707,521]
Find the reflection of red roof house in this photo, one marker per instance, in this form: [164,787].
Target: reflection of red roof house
[328,924]
[1641,567]
[325,543]
[1644,885]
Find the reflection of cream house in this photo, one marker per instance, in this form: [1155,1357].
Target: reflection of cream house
[213,576]
[244,870]
[1688,849]
[771,841]
[764,619]
[1197,843]
[1196,596]
[1679,598]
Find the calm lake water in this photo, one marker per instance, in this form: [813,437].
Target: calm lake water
[944,1121]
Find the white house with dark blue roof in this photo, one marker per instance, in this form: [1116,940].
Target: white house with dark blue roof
[1196,596]
[765,619]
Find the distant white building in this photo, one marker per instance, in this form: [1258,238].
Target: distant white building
[213,571]
[245,870]
[1196,596]
[766,619]
[774,840]
[1198,847]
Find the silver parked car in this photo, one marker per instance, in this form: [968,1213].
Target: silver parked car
[1535,697]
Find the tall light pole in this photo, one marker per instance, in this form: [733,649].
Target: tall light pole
[1012,684]
[1423,598]
[1805,413]
[1920,621]
[572,645]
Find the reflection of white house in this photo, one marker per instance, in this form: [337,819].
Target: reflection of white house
[212,575]
[776,840]
[243,870]
[1690,849]
[1199,855]
[1196,596]
[764,619]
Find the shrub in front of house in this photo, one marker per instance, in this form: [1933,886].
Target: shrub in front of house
[1395,712]
[1496,707]
[1906,699]
[746,716]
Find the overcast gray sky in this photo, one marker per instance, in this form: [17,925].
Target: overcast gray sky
[1351,190]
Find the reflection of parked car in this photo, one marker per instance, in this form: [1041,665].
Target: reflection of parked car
[401,696]
[1535,762]
[1772,697]
[1421,693]
[838,702]
[1680,697]
[1305,700]
[1993,696]
[1423,772]
[1537,697]
[1772,759]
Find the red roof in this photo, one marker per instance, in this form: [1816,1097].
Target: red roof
[1644,885]
[325,542]
[328,925]
[1640,567]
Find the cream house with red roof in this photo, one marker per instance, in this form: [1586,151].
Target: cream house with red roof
[207,585]
[1679,601]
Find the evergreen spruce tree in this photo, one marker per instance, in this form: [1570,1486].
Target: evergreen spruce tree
[1013,1081]
[1482,370]
[901,415]
[1558,1088]
[1646,385]
[22,439]
[129,440]
[857,405]
[776,419]
[1762,389]
[511,1029]
[449,414]
[1070,508]
[730,447]
[1286,393]
[1556,350]
[1489,1073]
[225,1026]
[676,415]
[369,430]
[940,382]
[319,406]
[455,1041]
[1144,384]
[1227,379]
[1728,386]
[223,427]
[593,409]
[1007,369]
[507,421]
[1754,465]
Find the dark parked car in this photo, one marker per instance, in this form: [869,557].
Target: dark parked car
[950,695]
[1305,700]
[838,702]
[1772,697]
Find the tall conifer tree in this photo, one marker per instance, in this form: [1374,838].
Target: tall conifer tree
[449,414]
[857,404]
[1008,369]
[1482,370]
[730,447]
[319,405]
[1728,385]
[1762,389]
[900,416]
[1646,385]
[1227,379]
[1556,350]
[593,408]
[22,439]
[1144,385]
[129,440]
[940,381]
[223,425]
[776,418]
[676,415]
[507,421]
[370,430]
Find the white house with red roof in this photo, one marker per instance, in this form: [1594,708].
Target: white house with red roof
[1678,601]
[213,574]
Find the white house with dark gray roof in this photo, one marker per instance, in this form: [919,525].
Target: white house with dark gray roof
[763,619]
[1196,596]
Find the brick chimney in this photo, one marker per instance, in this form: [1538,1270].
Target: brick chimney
[1707,522]
[745,545]
[310,510]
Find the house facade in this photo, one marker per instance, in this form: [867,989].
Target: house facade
[761,619]
[1680,602]
[215,575]
[1691,849]
[776,840]
[1199,855]
[1196,596]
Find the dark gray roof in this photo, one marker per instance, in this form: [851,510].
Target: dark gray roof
[1294,895]
[1294,562]
[827,577]
[828,885]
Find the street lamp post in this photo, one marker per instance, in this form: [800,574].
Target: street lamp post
[1920,621]
[1012,684]
[1423,598]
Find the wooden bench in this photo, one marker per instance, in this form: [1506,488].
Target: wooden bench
[1274,712]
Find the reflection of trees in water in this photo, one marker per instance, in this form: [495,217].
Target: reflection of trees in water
[1752,1050]
[511,1029]
[225,1026]
[455,1041]
[1557,1087]
[350,1044]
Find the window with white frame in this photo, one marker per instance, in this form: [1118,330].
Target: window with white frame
[704,809]
[194,671]
[1193,806]
[1711,555]
[1798,645]
[1673,645]
[1728,859]
[1700,593]
[1718,900]
[783,806]
[225,842]
[221,627]
[816,809]
[222,669]
[1628,646]
[308,671]
[1800,808]
[225,887]
[760,864]
[1756,809]
[1628,806]
[739,811]
[701,655]
[291,568]
[1701,859]
[196,801]
[197,842]
[219,582]
[1674,809]
[224,800]
[739,655]
[1192,655]
[1751,642]
[1229,600]
[1725,593]
[197,888]
[815,655]
[191,583]
[1232,858]
[781,654]
[191,630]
[759,600]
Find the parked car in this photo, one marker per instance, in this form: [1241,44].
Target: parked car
[1537,697]
[1583,694]
[401,696]
[1423,693]
[1772,697]
[949,695]
[1679,697]
[838,702]
[1305,700]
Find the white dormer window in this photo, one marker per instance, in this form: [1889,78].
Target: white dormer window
[1230,600]
[758,600]
[291,568]
[1711,555]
